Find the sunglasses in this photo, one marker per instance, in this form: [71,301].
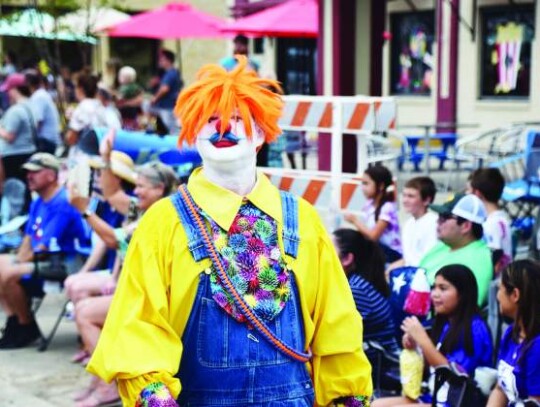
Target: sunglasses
[157,167]
[443,217]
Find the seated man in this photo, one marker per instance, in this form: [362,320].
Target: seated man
[460,233]
[52,221]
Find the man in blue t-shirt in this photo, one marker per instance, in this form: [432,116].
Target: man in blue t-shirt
[53,224]
[240,48]
[170,85]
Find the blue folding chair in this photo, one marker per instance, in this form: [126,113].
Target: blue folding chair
[12,218]
[523,192]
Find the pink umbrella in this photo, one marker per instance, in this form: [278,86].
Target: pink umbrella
[173,21]
[293,18]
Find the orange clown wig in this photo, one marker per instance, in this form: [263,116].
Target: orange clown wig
[239,91]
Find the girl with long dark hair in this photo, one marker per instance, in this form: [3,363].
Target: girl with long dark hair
[379,214]
[363,263]
[519,356]
[459,333]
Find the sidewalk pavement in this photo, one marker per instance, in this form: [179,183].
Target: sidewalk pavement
[29,378]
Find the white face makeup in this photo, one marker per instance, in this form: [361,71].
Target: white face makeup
[232,147]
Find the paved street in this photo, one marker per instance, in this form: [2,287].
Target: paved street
[29,378]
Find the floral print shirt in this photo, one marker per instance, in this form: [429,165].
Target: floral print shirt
[252,258]
[391,236]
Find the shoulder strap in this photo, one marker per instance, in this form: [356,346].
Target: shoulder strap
[289,205]
[190,209]
[195,242]
[32,123]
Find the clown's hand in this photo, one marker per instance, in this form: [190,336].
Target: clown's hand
[156,395]
[352,401]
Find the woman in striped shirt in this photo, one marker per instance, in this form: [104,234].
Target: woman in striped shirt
[363,262]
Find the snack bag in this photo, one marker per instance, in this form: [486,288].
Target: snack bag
[411,368]
[418,299]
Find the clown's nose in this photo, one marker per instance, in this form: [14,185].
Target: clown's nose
[218,127]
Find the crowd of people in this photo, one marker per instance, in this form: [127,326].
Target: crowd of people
[275,261]
[86,100]
[465,248]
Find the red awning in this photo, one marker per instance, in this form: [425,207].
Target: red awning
[172,21]
[294,18]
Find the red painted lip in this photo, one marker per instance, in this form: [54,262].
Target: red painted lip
[224,144]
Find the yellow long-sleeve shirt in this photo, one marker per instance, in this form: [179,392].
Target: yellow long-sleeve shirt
[141,340]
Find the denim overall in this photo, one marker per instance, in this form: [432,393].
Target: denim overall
[227,363]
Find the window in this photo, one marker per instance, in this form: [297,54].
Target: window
[412,53]
[296,61]
[507,34]
[258,45]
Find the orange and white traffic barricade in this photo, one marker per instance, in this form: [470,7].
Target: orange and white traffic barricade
[360,116]
[316,188]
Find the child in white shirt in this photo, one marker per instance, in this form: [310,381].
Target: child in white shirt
[488,184]
[419,234]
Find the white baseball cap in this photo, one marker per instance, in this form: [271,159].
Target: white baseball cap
[471,208]
[468,207]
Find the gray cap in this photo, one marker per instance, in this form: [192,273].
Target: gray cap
[41,161]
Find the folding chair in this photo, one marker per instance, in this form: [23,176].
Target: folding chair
[480,150]
[455,389]
[386,379]
[34,285]
[523,192]
[12,218]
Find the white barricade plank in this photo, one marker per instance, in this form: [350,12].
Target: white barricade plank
[385,114]
[315,187]
[358,116]
[333,192]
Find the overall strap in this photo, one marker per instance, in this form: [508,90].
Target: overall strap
[195,241]
[289,205]
[239,301]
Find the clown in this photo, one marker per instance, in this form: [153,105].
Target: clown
[232,293]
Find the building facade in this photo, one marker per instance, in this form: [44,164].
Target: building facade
[464,61]
[140,53]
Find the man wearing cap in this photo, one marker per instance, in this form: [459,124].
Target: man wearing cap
[460,232]
[16,129]
[52,222]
